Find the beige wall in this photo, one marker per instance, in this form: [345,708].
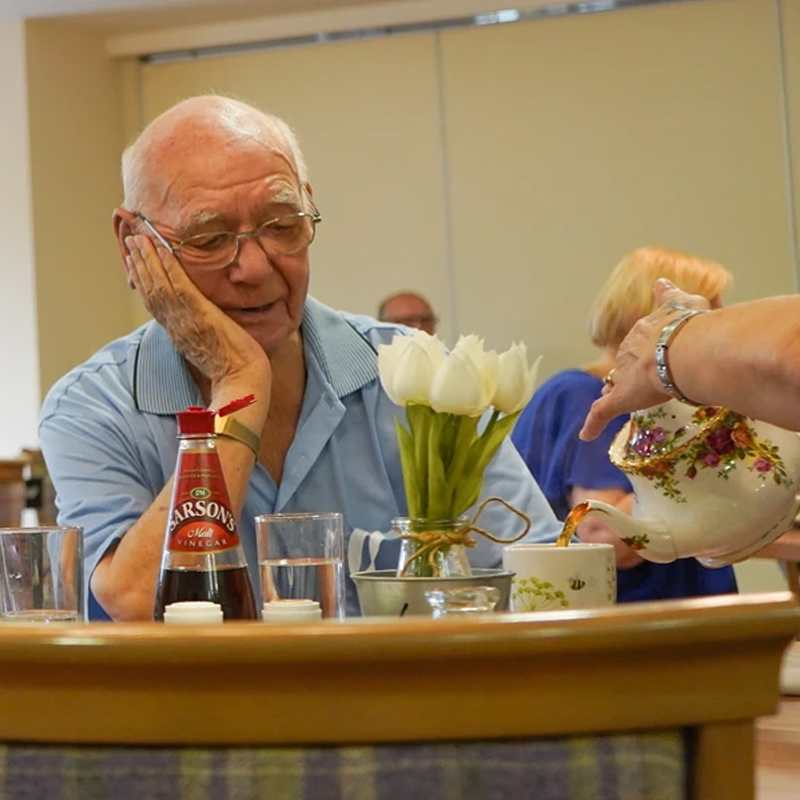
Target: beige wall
[18,333]
[76,135]
[505,169]
[366,114]
[575,139]
[790,41]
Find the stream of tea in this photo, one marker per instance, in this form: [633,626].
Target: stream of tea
[574,518]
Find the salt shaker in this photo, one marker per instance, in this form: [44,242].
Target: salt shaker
[193,612]
[300,610]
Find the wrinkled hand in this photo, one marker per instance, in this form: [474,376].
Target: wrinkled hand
[635,381]
[202,334]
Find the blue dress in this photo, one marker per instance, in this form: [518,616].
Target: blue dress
[546,435]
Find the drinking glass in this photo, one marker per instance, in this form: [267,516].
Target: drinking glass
[42,574]
[465,600]
[300,557]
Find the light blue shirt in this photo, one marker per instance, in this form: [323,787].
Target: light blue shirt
[109,434]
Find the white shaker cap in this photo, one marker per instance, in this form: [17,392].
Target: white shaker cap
[193,612]
[291,611]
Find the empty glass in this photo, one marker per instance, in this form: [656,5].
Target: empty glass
[42,574]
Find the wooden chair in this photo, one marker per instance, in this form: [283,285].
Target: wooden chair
[12,492]
[398,708]
[786,550]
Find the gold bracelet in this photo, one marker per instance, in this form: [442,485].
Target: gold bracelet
[231,427]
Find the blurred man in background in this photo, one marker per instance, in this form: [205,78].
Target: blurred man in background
[408,308]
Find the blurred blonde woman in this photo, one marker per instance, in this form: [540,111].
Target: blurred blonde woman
[570,470]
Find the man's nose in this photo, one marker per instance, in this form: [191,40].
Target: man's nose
[252,262]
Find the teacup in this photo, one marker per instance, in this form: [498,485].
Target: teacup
[581,575]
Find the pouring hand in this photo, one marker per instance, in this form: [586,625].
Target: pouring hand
[220,349]
[635,384]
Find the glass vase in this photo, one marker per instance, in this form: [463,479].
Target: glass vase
[426,550]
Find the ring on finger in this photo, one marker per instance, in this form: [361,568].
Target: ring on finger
[609,379]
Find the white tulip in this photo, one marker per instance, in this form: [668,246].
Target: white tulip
[432,345]
[516,381]
[407,366]
[467,380]
[485,362]
[456,387]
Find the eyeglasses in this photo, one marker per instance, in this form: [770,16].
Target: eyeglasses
[415,320]
[281,236]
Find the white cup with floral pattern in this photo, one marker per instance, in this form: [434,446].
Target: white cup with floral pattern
[550,578]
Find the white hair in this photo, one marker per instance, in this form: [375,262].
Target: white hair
[240,121]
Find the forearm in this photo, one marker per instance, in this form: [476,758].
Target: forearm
[124,582]
[745,357]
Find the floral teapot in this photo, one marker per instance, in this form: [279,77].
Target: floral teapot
[709,483]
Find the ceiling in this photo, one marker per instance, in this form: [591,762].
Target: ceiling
[114,17]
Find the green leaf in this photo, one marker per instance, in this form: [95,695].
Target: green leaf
[419,420]
[480,454]
[448,438]
[444,459]
[466,494]
[467,434]
[406,444]
[491,439]
[438,498]
[479,443]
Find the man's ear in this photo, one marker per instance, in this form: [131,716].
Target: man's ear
[124,222]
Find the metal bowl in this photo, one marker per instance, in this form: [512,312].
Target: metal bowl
[382,594]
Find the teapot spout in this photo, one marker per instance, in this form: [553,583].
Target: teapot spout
[648,536]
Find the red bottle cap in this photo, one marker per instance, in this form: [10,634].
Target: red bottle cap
[196,421]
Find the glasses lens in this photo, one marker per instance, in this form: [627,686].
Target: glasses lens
[287,234]
[415,320]
[208,250]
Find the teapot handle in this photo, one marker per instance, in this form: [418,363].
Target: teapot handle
[648,536]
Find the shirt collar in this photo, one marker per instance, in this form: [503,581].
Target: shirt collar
[163,383]
[347,358]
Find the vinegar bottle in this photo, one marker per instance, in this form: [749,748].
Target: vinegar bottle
[203,557]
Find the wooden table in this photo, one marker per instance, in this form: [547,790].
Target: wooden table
[710,664]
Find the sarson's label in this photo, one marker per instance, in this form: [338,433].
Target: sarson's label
[201,520]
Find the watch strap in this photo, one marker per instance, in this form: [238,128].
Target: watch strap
[231,427]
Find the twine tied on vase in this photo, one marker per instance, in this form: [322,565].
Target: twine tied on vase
[434,542]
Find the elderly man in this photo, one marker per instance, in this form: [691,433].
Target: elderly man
[214,232]
[408,308]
